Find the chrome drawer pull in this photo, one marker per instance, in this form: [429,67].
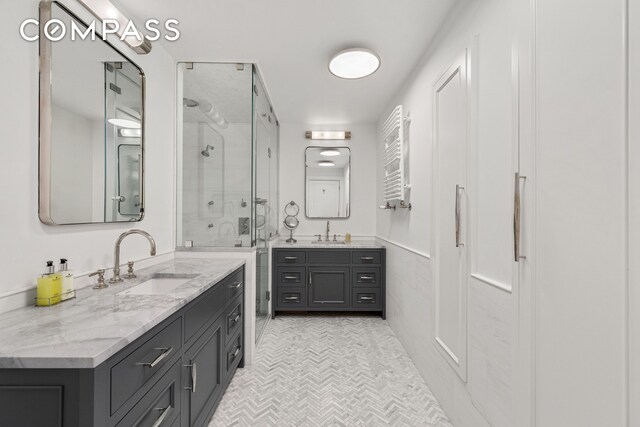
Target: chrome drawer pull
[235,353]
[291,277]
[366,278]
[160,358]
[163,415]
[237,318]
[194,377]
[291,258]
[291,298]
[366,298]
[366,258]
[235,285]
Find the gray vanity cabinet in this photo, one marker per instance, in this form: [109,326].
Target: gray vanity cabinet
[328,287]
[329,279]
[203,382]
[174,375]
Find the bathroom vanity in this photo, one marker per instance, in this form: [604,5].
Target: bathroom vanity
[329,277]
[127,356]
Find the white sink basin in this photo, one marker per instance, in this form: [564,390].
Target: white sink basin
[159,284]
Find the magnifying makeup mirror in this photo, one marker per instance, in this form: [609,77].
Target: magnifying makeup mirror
[291,222]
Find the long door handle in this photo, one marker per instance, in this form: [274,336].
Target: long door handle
[457,215]
[517,208]
[194,376]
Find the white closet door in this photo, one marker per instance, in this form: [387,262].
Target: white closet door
[450,145]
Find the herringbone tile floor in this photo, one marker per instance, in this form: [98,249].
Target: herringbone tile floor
[329,370]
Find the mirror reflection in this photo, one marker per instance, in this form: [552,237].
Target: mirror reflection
[91,130]
[327,182]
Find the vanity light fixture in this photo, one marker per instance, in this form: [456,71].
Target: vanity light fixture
[326,163]
[330,153]
[104,9]
[125,123]
[323,134]
[354,63]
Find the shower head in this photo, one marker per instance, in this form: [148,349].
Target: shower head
[205,152]
[188,102]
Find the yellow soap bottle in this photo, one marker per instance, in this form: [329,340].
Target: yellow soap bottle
[49,287]
[347,238]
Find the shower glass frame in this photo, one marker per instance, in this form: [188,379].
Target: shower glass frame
[199,235]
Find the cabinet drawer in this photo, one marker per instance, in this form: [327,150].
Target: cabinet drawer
[234,353]
[130,374]
[328,256]
[204,310]
[291,276]
[293,297]
[234,317]
[160,405]
[366,257]
[291,257]
[366,298]
[234,285]
[366,276]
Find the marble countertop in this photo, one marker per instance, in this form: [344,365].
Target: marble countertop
[307,243]
[86,331]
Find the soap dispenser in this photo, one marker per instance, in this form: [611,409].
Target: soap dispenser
[67,280]
[49,287]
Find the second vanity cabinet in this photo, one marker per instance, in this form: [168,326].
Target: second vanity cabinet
[173,375]
[329,279]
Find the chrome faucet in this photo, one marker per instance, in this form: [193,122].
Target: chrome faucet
[326,237]
[116,255]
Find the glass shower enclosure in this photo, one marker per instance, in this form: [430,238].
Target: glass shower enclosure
[227,165]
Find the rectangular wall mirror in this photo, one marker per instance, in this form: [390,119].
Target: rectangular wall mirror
[327,182]
[91,128]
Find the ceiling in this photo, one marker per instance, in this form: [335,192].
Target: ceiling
[293,40]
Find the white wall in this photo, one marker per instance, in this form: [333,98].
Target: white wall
[484,28]
[363,175]
[27,243]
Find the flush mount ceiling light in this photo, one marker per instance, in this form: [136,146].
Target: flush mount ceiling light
[326,163]
[330,153]
[323,134]
[124,123]
[354,63]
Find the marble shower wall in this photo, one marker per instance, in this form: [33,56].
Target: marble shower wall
[223,178]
